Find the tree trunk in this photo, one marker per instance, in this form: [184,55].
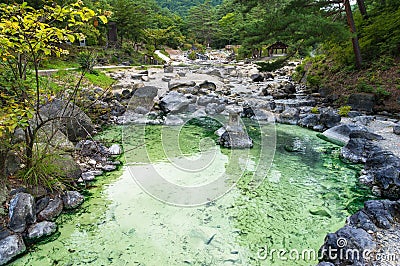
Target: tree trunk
[362,8]
[354,39]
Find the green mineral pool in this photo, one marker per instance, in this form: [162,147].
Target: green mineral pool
[307,192]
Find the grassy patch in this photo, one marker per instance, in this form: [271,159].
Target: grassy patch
[98,78]
[56,63]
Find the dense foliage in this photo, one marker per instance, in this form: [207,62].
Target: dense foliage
[181,7]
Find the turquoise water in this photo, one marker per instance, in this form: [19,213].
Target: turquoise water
[305,195]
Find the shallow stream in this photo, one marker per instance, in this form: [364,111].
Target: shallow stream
[307,193]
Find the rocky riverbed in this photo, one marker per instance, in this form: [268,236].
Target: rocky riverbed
[174,95]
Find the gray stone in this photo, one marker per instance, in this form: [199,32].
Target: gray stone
[108,167]
[168,69]
[341,133]
[115,149]
[214,72]
[11,247]
[42,203]
[67,117]
[87,176]
[382,171]
[22,212]
[257,78]
[179,84]
[52,210]
[12,163]
[173,120]
[345,240]
[362,102]
[174,102]
[214,108]
[329,118]
[396,129]
[143,98]
[41,229]
[208,85]
[235,140]
[289,116]
[357,150]
[204,100]
[309,121]
[72,199]
[363,119]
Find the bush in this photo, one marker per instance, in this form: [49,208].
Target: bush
[344,110]
[313,80]
[273,65]
[192,55]
[364,87]
[381,93]
[315,110]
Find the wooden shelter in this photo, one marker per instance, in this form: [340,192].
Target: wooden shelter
[277,47]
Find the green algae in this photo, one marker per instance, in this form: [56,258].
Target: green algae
[305,195]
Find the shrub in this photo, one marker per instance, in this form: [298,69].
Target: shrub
[192,55]
[313,80]
[315,110]
[381,93]
[344,110]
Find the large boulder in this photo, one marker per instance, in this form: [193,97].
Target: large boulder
[235,140]
[370,231]
[382,174]
[52,210]
[142,100]
[68,118]
[345,241]
[289,116]
[309,121]
[10,247]
[341,134]
[22,212]
[360,146]
[72,199]
[42,229]
[329,118]
[362,102]
[174,102]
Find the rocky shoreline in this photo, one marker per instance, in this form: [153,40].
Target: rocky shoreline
[175,94]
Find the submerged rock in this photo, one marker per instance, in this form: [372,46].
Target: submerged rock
[72,199]
[22,212]
[41,229]
[11,247]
